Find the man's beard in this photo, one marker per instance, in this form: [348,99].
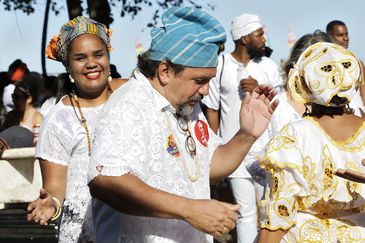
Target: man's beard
[256,52]
[186,109]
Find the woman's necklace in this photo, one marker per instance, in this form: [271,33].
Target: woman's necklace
[190,147]
[74,98]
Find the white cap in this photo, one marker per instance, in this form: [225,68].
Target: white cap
[244,25]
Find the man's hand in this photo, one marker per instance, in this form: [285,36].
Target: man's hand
[42,209]
[256,110]
[248,84]
[212,216]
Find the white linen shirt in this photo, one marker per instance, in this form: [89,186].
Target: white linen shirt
[225,94]
[131,136]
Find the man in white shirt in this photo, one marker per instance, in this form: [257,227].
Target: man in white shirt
[238,72]
[154,154]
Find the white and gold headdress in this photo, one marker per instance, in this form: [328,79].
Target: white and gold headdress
[322,71]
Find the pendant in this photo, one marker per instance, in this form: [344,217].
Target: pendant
[171,146]
[190,145]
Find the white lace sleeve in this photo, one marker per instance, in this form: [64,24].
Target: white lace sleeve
[119,146]
[55,142]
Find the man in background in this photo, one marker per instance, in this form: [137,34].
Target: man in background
[239,72]
[339,34]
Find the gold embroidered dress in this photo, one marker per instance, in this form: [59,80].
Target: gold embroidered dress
[303,195]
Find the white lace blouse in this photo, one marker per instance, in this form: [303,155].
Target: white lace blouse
[62,140]
[303,195]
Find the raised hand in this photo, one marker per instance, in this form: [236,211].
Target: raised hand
[42,209]
[256,110]
[212,216]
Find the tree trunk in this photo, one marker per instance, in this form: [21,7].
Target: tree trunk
[44,38]
[99,10]
[74,8]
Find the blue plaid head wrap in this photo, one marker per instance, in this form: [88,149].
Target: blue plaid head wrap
[189,37]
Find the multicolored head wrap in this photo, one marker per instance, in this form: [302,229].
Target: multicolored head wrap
[189,37]
[322,71]
[58,46]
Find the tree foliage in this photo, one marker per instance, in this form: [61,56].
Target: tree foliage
[127,7]
[27,6]
[134,7]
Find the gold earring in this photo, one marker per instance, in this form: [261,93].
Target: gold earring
[71,78]
[348,110]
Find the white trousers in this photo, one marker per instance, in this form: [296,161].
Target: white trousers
[244,194]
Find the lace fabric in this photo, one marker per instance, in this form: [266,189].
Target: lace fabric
[283,114]
[62,140]
[303,194]
[132,136]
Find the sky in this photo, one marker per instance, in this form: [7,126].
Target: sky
[21,36]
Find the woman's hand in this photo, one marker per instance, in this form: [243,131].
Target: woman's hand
[42,209]
[351,175]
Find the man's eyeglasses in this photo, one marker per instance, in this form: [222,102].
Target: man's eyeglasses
[189,142]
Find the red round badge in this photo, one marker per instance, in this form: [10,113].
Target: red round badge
[201,132]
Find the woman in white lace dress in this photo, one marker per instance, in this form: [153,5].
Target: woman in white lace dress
[305,201]
[288,110]
[65,136]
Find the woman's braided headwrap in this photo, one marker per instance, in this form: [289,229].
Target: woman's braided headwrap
[58,46]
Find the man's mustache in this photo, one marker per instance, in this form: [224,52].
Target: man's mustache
[197,98]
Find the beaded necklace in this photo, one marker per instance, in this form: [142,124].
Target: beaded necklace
[73,98]
[188,146]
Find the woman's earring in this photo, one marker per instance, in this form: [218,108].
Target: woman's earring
[348,110]
[71,78]
[110,78]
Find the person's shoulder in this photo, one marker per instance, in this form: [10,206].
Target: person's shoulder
[267,61]
[117,82]
[301,126]
[60,113]
[131,95]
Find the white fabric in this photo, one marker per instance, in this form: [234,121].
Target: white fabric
[304,196]
[244,194]
[131,137]
[283,114]
[322,71]
[62,140]
[7,99]
[245,24]
[47,106]
[356,103]
[225,94]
